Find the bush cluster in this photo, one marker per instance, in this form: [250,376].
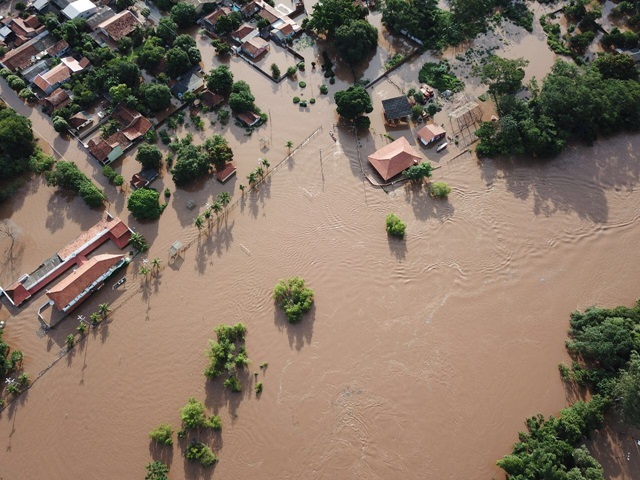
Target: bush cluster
[395,226]
[67,175]
[293,297]
[227,354]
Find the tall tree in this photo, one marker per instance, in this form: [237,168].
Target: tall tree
[184,14]
[353,102]
[220,80]
[355,40]
[329,15]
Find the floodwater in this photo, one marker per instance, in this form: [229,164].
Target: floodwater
[420,359]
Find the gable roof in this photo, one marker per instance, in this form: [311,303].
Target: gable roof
[74,65]
[58,97]
[132,122]
[430,132]
[392,159]
[77,8]
[120,25]
[55,76]
[396,107]
[214,16]
[20,57]
[253,46]
[76,283]
[99,149]
[243,31]
[77,120]
[268,15]
[286,29]
[137,129]
[211,99]
[57,48]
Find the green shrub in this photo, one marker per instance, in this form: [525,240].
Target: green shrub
[332,80]
[222,353]
[15,82]
[67,175]
[193,416]
[418,172]
[233,384]
[40,163]
[198,451]
[167,193]
[118,180]
[324,89]
[440,76]
[303,103]
[302,84]
[362,122]
[26,94]
[301,66]
[291,71]
[258,388]
[296,99]
[162,435]
[312,101]
[432,109]
[109,172]
[293,297]
[157,471]
[395,226]
[439,189]
[143,204]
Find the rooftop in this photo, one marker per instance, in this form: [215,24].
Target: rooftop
[392,159]
[76,284]
[211,99]
[395,108]
[120,25]
[253,46]
[57,97]
[74,65]
[77,8]
[213,17]
[430,132]
[55,76]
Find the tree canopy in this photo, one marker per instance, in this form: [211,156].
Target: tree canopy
[241,98]
[355,40]
[143,204]
[353,102]
[149,156]
[220,80]
[503,76]
[17,143]
[184,14]
[156,96]
[228,23]
[67,176]
[293,297]
[329,15]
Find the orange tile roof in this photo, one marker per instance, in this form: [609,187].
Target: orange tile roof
[58,97]
[255,46]
[82,278]
[99,149]
[20,57]
[429,132]
[211,99]
[138,128]
[243,31]
[392,159]
[120,25]
[56,75]
[213,17]
[58,47]
[286,29]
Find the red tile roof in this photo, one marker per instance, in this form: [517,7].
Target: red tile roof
[243,31]
[78,119]
[392,159]
[32,21]
[57,98]
[224,174]
[120,25]
[286,29]
[255,46]
[213,17]
[211,99]
[78,281]
[138,128]
[124,115]
[17,293]
[99,149]
[58,47]
[267,15]
[248,118]
[55,76]
[20,57]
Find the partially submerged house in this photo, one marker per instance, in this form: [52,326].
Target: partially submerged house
[132,123]
[394,158]
[249,119]
[79,121]
[431,133]
[226,173]
[192,81]
[90,276]
[244,33]
[107,150]
[397,108]
[211,99]
[209,21]
[255,47]
[144,178]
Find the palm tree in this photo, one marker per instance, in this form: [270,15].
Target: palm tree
[242,187]
[252,178]
[138,242]
[289,145]
[198,222]
[103,310]
[155,263]
[95,318]
[260,171]
[224,198]
[216,207]
[144,270]
[265,163]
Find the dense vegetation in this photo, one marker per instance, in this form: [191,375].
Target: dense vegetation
[439,189]
[67,176]
[604,344]
[293,297]
[143,204]
[353,102]
[581,102]
[17,146]
[395,226]
[417,173]
[440,76]
[157,471]
[194,161]
[198,451]
[227,354]
[9,361]
[194,416]
[436,29]
[163,434]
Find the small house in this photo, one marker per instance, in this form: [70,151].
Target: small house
[58,49]
[133,124]
[210,99]
[250,9]
[397,108]
[255,47]
[244,33]
[79,121]
[189,82]
[431,133]
[52,79]
[249,119]
[393,159]
[226,173]
[283,32]
[119,26]
[58,99]
[144,178]
[209,21]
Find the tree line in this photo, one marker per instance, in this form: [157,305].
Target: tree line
[604,345]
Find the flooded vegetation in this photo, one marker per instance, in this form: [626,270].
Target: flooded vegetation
[406,350]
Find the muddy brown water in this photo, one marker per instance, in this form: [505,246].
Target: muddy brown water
[420,359]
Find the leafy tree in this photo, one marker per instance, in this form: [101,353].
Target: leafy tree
[200,452]
[228,23]
[167,30]
[627,391]
[329,15]
[151,53]
[293,297]
[60,125]
[16,143]
[143,204]
[67,176]
[275,71]
[222,48]
[440,76]
[124,4]
[422,19]
[218,151]
[621,67]
[149,156]
[241,98]
[220,80]
[191,163]
[178,62]
[156,96]
[418,172]
[193,416]
[119,93]
[15,82]
[139,242]
[162,435]
[353,102]
[184,15]
[504,76]
[355,40]
[188,44]
[157,471]
[395,226]
[125,72]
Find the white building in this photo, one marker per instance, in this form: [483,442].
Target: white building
[80,9]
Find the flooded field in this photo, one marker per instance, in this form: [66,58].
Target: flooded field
[420,359]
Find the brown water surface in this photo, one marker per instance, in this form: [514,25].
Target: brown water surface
[420,359]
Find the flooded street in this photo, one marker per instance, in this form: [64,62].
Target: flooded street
[420,359]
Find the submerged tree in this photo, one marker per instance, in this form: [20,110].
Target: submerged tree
[293,297]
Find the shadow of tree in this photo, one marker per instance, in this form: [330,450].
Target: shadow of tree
[424,206]
[298,333]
